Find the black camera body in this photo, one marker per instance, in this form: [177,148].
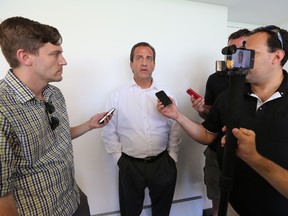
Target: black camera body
[238,58]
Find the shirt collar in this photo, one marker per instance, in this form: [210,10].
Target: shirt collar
[283,88]
[154,85]
[23,93]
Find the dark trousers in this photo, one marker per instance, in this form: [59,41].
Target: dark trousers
[159,176]
[83,208]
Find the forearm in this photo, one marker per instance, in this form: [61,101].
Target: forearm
[8,206]
[92,123]
[79,130]
[276,175]
[195,130]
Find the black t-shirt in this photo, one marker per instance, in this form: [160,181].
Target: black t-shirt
[215,85]
[251,194]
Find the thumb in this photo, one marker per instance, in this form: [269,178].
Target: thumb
[235,132]
[247,132]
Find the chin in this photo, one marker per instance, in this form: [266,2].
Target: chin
[58,79]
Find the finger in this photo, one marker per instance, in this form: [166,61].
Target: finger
[247,132]
[236,132]
[223,141]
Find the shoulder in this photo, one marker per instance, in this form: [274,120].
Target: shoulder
[55,91]
[122,88]
[3,88]
[53,88]
[218,75]
[213,75]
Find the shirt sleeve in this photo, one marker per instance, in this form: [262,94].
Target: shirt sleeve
[209,92]
[217,116]
[109,132]
[174,140]
[7,157]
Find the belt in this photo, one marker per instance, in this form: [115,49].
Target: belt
[148,159]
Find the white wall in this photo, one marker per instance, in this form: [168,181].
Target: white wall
[98,35]
[284,25]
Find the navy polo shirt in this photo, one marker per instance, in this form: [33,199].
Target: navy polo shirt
[251,193]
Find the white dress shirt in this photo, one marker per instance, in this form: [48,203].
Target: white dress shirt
[137,128]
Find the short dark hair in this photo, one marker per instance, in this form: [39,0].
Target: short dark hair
[142,44]
[274,42]
[239,33]
[22,33]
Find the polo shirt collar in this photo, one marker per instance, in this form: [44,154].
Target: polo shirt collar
[283,88]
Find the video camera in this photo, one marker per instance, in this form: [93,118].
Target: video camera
[238,58]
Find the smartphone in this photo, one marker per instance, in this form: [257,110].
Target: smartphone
[101,121]
[163,97]
[191,92]
[243,58]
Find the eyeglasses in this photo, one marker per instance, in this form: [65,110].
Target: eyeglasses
[53,121]
[276,30]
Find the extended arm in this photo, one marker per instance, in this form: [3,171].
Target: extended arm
[92,123]
[194,129]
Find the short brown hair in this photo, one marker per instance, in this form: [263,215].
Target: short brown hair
[238,34]
[22,33]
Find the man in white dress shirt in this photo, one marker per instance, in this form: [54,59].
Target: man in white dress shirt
[143,143]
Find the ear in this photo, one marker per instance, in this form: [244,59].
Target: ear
[279,55]
[131,63]
[24,57]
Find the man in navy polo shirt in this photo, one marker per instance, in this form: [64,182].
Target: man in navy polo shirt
[261,166]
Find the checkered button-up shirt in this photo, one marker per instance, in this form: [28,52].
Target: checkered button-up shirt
[36,162]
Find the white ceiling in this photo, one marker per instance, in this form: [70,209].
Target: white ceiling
[258,12]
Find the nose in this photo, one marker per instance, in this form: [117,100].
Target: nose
[144,61]
[62,60]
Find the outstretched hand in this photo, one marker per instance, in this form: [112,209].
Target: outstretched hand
[170,111]
[91,124]
[93,121]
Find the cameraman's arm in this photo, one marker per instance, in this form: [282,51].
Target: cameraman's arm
[8,206]
[276,175]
